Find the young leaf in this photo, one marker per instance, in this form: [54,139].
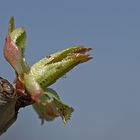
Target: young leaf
[31,83]
[63,110]
[18,36]
[32,87]
[11,25]
[13,55]
[14,47]
[46,111]
[51,68]
[50,107]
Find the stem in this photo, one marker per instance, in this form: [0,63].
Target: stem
[9,105]
[8,114]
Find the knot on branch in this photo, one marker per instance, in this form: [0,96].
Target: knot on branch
[7,92]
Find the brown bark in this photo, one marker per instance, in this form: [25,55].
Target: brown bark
[8,115]
[9,105]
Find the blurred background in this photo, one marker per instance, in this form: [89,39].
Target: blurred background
[105,91]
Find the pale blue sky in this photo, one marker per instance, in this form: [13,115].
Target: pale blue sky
[105,92]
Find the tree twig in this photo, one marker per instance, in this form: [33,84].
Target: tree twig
[9,105]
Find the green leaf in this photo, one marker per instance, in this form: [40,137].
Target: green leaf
[18,36]
[11,24]
[46,108]
[51,93]
[14,48]
[50,107]
[46,111]
[49,69]
[32,87]
[63,110]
